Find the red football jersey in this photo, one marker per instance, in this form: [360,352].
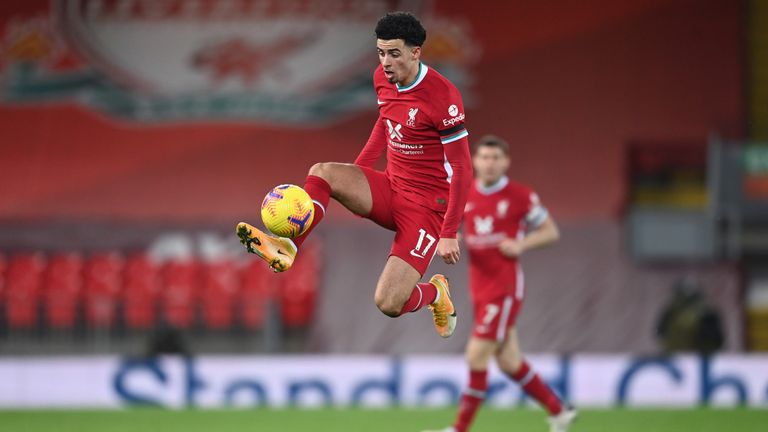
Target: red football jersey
[417,121]
[506,209]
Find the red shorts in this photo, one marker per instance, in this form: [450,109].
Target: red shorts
[417,229]
[494,318]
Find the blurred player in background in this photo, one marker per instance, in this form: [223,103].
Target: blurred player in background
[422,192]
[503,219]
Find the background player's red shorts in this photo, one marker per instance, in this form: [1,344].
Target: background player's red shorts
[417,229]
[494,317]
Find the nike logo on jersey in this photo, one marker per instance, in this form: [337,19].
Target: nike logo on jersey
[380,102]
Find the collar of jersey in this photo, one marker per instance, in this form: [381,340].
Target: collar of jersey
[419,77]
[492,189]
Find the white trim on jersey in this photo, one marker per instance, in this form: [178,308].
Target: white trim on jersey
[420,77]
[506,308]
[456,137]
[448,168]
[492,189]
[519,282]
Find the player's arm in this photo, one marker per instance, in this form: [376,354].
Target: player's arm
[375,146]
[457,154]
[543,233]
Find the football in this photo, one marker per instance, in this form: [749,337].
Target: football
[287,211]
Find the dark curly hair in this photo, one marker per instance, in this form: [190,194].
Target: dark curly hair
[401,25]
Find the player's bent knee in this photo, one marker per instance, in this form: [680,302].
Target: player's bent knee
[509,365]
[321,169]
[389,310]
[387,306]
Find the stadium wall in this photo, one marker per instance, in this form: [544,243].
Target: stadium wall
[567,85]
[372,381]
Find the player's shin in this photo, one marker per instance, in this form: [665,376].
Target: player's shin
[422,295]
[320,192]
[472,399]
[532,384]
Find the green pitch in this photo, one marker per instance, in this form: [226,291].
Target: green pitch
[149,420]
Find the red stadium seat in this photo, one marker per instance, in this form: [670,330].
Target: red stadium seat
[298,292]
[62,285]
[22,290]
[220,284]
[257,289]
[140,292]
[179,292]
[102,286]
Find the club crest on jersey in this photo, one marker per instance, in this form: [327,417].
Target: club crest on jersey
[501,208]
[394,130]
[412,117]
[453,110]
[483,225]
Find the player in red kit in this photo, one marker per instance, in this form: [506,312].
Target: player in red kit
[502,220]
[421,194]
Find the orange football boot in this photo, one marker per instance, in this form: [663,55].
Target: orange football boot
[442,310]
[278,252]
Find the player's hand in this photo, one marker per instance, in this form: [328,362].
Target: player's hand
[448,249]
[511,248]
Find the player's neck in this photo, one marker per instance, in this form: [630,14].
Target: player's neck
[413,75]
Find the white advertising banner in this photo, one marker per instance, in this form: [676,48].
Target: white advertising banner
[372,381]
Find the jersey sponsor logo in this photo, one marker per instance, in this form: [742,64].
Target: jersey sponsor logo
[454,120]
[483,225]
[501,208]
[412,117]
[394,130]
[453,110]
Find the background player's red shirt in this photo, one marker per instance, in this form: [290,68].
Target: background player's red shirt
[506,209]
[422,128]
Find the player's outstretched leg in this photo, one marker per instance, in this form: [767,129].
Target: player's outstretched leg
[398,292]
[478,354]
[512,363]
[345,182]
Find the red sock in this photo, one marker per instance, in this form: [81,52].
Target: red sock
[320,192]
[536,388]
[471,399]
[423,294]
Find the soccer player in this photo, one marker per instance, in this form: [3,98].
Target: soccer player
[503,219]
[421,194]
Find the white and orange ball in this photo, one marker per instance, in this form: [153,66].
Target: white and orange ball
[287,211]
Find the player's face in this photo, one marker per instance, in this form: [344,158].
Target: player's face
[490,164]
[400,62]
